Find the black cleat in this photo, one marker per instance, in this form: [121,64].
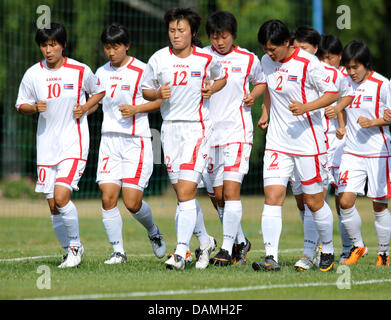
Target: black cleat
[239,256]
[268,265]
[326,262]
[222,258]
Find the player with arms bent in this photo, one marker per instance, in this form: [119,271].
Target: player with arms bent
[180,74]
[125,154]
[55,88]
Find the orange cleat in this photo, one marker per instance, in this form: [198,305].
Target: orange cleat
[355,253]
[383,260]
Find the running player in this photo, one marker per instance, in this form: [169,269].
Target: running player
[125,154]
[230,111]
[55,88]
[366,153]
[308,39]
[180,74]
[295,138]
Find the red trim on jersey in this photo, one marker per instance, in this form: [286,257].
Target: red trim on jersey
[293,55]
[137,176]
[140,72]
[371,157]
[318,177]
[41,64]
[68,180]
[236,166]
[343,69]
[227,144]
[296,154]
[249,66]
[377,106]
[79,86]
[335,73]
[54,165]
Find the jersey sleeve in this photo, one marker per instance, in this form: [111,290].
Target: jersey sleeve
[388,96]
[26,93]
[150,77]
[216,70]
[344,87]
[385,96]
[317,76]
[256,74]
[92,83]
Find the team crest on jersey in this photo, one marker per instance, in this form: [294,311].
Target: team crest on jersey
[236,69]
[367,98]
[196,74]
[292,78]
[125,87]
[68,86]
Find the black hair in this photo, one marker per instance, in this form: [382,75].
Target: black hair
[56,32]
[357,51]
[220,21]
[194,19]
[115,33]
[274,31]
[306,34]
[329,43]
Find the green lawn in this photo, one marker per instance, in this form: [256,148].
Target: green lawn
[28,233]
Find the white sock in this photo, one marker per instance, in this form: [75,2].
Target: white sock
[112,221]
[302,213]
[351,221]
[199,229]
[383,230]
[186,220]
[71,222]
[240,237]
[346,243]
[323,219]
[231,223]
[60,231]
[220,212]
[310,233]
[271,229]
[144,216]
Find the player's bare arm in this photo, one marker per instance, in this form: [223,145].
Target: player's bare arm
[40,106]
[263,120]
[164,92]
[208,90]
[332,112]
[299,108]
[128,111]
[341,130]
[79,110]
[257,91]
[92,109]
[369,123]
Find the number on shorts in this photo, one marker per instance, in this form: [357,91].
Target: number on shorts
[343,177]
[274,161]
[42,175]
[105,160]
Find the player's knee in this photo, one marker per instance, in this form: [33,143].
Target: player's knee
[109,201]
[345,203]
[133,206]
[61,200]
[314,203]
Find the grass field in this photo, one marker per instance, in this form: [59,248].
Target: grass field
[28,244]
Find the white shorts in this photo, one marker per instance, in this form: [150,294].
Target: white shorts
[310,171]
[67,173]
[229,162]
[186,147]
[125,160]
[206,182]
[354,171]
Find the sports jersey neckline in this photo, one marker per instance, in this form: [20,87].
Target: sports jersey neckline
[192,52]
[43,65]
[293,55]
[122,67]
[224,54]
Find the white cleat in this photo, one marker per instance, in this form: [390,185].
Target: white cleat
[175,261]
[117,257]
[203,258]
[318,252]
[73,258]
[303,264]
[158,244]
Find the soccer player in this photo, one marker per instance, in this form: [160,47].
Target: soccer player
[55,88]
[308,39]
[295,138]
[125,154]
[180,74]
[230,111]
[366,155]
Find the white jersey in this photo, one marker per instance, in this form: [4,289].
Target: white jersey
[370,101]
[300,77]
[123,86]
[59,135]
[232,121]
[345,90]
[186,77]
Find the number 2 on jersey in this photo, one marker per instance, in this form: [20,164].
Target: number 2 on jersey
[279,86]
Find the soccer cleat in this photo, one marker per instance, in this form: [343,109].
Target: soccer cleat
[73,258]
[175,261]
[203,257]
[117,257]
[343,256]
[222,258]
[239,255]
[326,262]
[188,258]
[355,253]
[318,252]
[383,260]
[269,264]
[158,244]
[303,264]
